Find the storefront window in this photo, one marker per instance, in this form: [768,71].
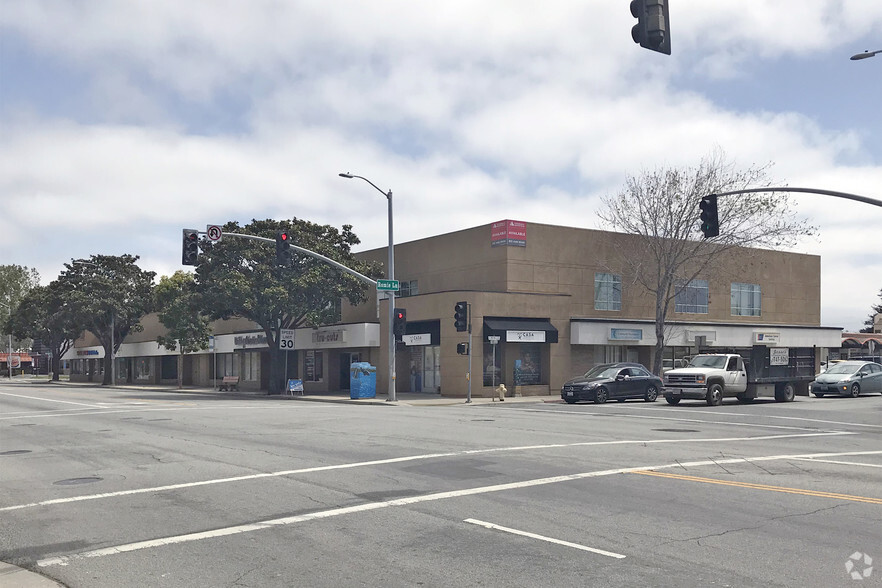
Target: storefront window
[142,368]
[493,370]
[227,365]
[314,366]
[528,366]
[251,366]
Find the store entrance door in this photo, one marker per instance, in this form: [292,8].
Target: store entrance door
[425,374]
[347,359]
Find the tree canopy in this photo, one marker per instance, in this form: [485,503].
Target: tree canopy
[44,314]
[177,304]
[661,206]
[240,277]
[870,322]
[107,296]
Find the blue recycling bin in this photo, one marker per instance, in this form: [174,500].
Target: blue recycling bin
[362,380]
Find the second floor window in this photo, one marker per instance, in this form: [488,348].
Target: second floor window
[607,292]
[692,297]
[408,288]
[747,300]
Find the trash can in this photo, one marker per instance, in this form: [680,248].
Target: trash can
[362,380]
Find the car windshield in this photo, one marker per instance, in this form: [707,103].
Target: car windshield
[711,361]
[843,368]
[602,371]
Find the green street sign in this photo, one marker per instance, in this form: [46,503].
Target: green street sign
[387,285]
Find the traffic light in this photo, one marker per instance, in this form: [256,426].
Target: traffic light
[283,247]
[710,222]
[461,316]
[190,247]
[399,322]
[653,28]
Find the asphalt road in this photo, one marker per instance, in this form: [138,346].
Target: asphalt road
[110,488]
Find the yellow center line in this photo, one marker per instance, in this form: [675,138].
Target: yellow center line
[816,493]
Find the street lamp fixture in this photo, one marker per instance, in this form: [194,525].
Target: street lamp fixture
[865,55]
[390,275]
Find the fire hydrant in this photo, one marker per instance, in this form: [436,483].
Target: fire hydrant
[500,391]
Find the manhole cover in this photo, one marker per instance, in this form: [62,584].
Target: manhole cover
[678,430]
[74,481]
[15,452]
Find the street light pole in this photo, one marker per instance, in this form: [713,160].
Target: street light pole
[9,349]
[390,275]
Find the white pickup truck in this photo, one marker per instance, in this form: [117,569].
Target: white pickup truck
[714,376]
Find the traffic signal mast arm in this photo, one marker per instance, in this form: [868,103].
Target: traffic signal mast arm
[336,264]
[863,199]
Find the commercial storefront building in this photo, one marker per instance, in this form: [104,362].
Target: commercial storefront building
[547,302]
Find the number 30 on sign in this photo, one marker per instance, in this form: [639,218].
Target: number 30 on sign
[286,339]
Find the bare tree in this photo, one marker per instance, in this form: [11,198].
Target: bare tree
[662,207]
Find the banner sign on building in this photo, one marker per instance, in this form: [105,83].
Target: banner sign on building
[508,232]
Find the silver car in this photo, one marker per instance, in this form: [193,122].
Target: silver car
[849,378]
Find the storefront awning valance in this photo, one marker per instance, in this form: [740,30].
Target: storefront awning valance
[521,329]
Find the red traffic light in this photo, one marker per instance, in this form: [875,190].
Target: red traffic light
[283,236]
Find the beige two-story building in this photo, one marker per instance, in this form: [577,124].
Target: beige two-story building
[546,303]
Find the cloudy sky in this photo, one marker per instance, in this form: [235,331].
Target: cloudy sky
[122,122]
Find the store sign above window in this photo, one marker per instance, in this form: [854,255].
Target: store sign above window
[420,339]
[249,340]
[625,334]
[525,336]
[509,233]
[766,338]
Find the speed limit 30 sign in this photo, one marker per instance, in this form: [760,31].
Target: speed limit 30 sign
[286,339]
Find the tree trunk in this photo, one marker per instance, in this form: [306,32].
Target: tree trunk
[108,368]
[659,334]
[181,369]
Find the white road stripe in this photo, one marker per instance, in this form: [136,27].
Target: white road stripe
[246,528]
[50,400]
[676,419]
[399,460]
[766,416]
[543,538]
[866,465]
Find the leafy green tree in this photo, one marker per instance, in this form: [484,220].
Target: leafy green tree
[15,282]
[870,322]
[108,295]
[44,314]
[661,206]
[240,277]
[177,302]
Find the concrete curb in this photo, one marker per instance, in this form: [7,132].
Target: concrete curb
[15,577]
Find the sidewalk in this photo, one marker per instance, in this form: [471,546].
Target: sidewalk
[15,577]
[342,396]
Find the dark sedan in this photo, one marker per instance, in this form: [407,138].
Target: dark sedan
[618,381]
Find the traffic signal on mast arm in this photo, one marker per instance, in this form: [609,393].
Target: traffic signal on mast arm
[190,247]
[399,322]
[653,28]
[710,222]
[461,316]
[283,247]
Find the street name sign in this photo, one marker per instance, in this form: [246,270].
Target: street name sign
[388,285]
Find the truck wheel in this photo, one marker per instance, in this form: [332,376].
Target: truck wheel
[714,396]
[785,393]
[744,398]
[672,400]
[651,393]
[601,396]
[855,390]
